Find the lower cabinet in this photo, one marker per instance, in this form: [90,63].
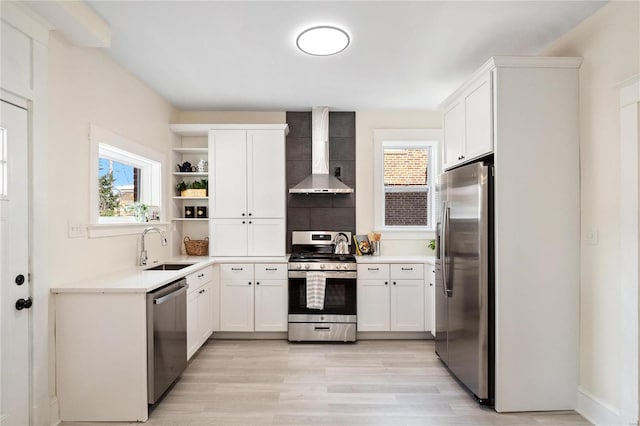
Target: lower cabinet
[253,297]
[430,300]
[391,297]
[200,309]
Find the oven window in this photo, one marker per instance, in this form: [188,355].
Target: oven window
[339,297]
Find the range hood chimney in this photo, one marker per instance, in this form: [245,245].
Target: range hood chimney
[320,181]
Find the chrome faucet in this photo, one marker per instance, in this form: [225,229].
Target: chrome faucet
[143,252]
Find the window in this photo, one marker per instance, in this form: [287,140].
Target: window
[123,173]
[406,168]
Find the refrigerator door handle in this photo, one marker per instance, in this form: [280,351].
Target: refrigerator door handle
[445,242]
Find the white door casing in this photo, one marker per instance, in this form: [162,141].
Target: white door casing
[15,377]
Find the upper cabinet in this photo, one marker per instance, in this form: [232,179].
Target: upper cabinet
[468,122]
[248,184]
[248,173]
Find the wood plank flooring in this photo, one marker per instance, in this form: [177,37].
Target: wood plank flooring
[367,383]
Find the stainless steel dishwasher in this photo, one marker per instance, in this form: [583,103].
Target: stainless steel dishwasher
[166,337]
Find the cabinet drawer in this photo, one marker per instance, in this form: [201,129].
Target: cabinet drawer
[271,271]
[235,271]
[407,271]
[198,278]
[373,271]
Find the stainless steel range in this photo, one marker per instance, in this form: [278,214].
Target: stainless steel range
[322,287]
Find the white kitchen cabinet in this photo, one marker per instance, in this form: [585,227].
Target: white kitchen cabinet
[271,302]
[200,309]
[467,123]
[391,297]
[249,190]
[430,300]
[253,297]
[533,123]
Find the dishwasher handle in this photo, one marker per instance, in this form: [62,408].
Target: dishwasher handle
[169,296]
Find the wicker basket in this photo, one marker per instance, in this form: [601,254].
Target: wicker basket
[196,247]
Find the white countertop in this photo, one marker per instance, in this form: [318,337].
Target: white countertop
[139,280]
[396,259]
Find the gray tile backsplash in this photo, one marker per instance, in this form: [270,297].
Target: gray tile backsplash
[321,211]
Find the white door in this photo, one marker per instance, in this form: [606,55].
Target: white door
[266,237]
[407,305]
[266,189]
[205,313]
[236,305]
[228,165]
[479,119]
[453,135]
[373,305]
[192,323]
[271,305]
[228,237]
[14,263]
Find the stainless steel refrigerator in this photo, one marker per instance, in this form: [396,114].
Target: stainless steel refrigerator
[464,290]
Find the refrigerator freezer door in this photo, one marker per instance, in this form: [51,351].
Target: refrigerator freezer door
[466,263]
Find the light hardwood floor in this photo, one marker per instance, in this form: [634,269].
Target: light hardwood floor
[367,383]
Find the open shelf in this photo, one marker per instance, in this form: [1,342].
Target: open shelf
[195,174]
[185,219]
[190,198]
[191,150]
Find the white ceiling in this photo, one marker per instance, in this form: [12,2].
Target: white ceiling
[237,55]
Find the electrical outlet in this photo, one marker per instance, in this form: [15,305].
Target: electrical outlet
[76,229]
[591,236]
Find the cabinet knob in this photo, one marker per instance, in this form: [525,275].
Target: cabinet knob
[386,283]
[243,222]
[257,283]
[249,214]
[250,222]
[394,283]
[249,282]
[243,213]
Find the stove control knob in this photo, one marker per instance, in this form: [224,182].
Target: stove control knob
[298,266]
[345,266]
[322,266]
[307,266]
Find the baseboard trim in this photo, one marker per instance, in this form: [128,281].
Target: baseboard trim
[242,335]
[54,411]
[597,411]
[394,335]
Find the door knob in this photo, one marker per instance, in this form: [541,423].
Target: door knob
[24,303]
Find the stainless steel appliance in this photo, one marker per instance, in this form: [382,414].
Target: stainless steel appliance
[464,289]
[166,337]
[313,251]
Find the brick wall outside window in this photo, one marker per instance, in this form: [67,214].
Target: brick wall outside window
[404,168]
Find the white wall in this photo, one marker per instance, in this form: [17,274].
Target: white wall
[87,86]
[609,42]
[366,123]
[232,117]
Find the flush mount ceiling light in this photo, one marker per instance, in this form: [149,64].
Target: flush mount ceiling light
[323,41]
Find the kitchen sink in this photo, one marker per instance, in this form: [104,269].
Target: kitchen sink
[169,267]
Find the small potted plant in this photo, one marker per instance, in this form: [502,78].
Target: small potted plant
[197,188]
[139,210]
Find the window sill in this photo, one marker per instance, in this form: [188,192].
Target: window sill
[407,234]
[101,230]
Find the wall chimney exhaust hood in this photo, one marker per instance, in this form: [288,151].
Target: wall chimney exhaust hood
[320,181]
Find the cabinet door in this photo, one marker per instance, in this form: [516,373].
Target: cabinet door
[205,313]
[479,119]
[236,305]
[228,237]
[453,135]
[407,305]
[373,305]
[271,305]
[192,323]
[228,173]
[429,300]
[266,190]
[266,237]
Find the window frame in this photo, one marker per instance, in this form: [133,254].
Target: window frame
[406,138]
[106,144]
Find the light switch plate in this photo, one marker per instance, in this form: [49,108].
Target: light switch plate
[76,229]
[591,236]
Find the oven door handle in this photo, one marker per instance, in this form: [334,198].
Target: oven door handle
[329,274]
